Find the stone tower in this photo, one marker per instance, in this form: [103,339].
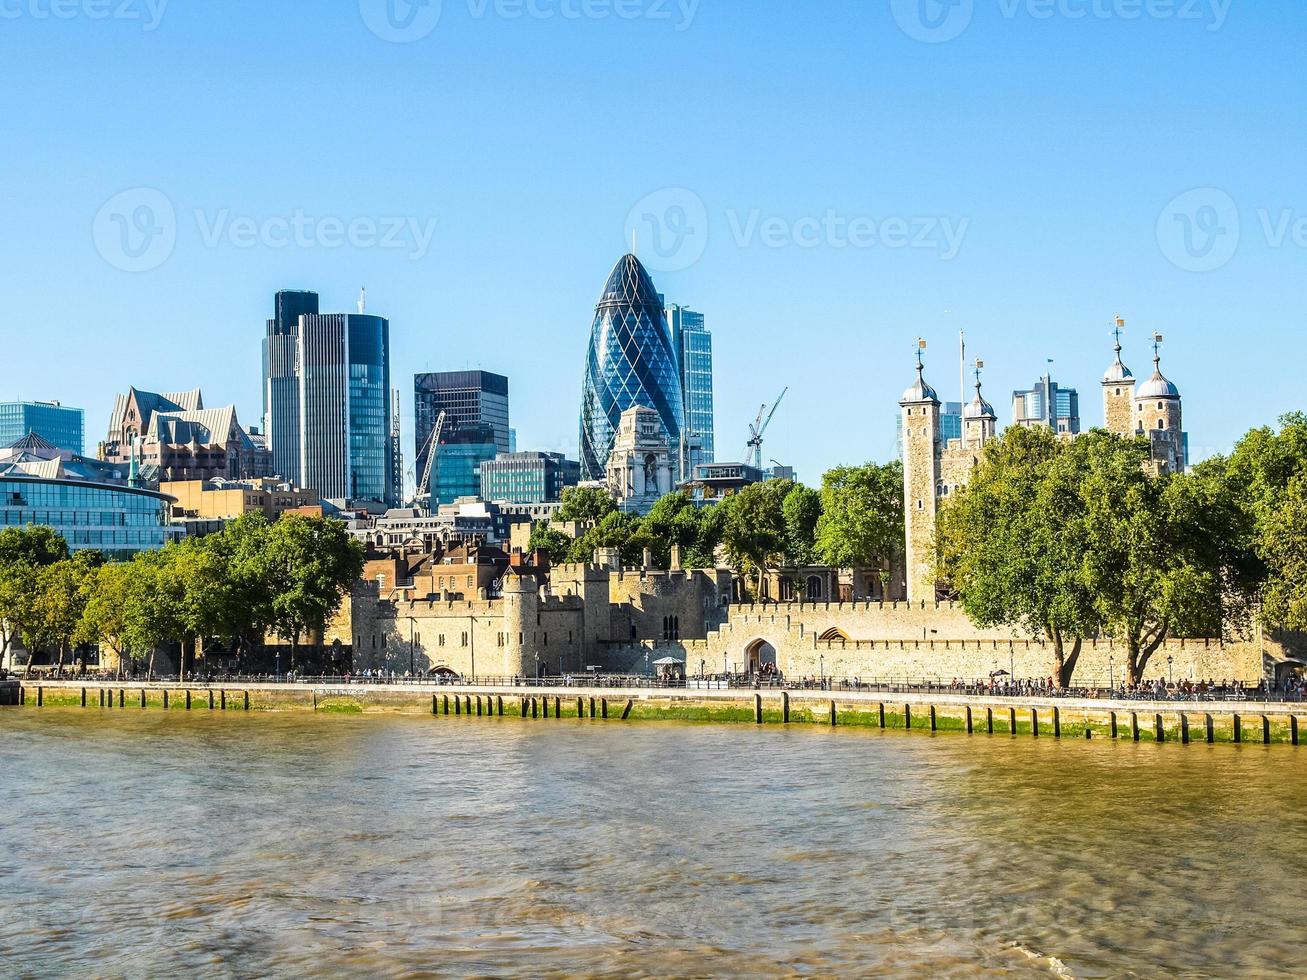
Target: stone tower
[921,457]
[1158,417]
[979,423]
[1118,393]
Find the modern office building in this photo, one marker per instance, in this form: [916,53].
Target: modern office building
[327,400]
[459,458]
[693,344]
[1047,403]
[631,361]
[56,424]
[528,478]
[469,399]
[93,504]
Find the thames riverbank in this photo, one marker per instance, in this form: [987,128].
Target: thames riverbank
[1186,722]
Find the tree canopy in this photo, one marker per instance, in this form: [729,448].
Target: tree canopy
[861,521]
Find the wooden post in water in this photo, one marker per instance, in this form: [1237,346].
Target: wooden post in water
[1134,725]
[247,700]
[544,703]
[832,714]
[970,730]
[1089,732]
[188,699]
[142,697]
[499,700]
[101,697]
[558,708]
[989,720]
[165,699]
[1184,728]
[1034,722]
[626,712]
[603,708]
[882,714]
[435,705]
[757,709]
[122,698]
[458,706]
[1266,730]
[1057,723]
[467,704]
[83,697]
[1158,731]
[580,707]
[907,717]
[592,707]
[210,699]
[478,705]
[1112,715]
[1293,729]
[524,708]
[446,704]
[1210,724]
[224,699]
[535,708]
[785,707]
[1238,730]
[40,696]
[934,723]
[1012,721]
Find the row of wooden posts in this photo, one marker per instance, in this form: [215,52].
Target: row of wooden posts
[535,707]
[530,707]
[241,703]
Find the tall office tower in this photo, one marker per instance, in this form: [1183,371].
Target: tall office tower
[1047,403]
[56,424]
[693,344]
[327,394]
[281,384]
[631,361]
[468,399]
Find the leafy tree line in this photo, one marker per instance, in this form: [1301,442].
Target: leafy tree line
[856,519]
[228,589]
[1079,539]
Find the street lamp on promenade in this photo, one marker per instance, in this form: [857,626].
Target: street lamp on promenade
[1170,674]
[1111,672]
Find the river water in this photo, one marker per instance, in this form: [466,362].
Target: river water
[293,845]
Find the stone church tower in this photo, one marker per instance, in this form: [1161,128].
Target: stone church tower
[1118,394]
[921,461]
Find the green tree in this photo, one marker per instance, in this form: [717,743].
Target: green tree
[753,529]
[616,530]
[676,520]
[587,506]
[861,521]
[1012,542]
[24,551]
[63,590]
[309,564]
[105,616]
[801,511]
[551,541]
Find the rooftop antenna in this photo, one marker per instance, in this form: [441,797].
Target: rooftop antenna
[363,299]
[962,366]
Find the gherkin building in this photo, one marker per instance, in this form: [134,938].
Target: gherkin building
[630,361]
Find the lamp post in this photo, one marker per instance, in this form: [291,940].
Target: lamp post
[646,663]
[821,671]
[1170,674]
[278,666]
[412,646]
[537,658]
[1111,672]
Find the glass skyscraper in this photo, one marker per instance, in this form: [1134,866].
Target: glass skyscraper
[693,343]
[459,459]
[57,424]
[468,399]
[631,361]
[1047,403]
[327,399]
[527,478]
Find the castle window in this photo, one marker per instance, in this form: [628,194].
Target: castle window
[920,505]
[1161,423]
[1159,406]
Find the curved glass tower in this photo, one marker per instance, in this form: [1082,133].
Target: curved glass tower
[631,361]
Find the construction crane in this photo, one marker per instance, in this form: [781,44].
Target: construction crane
[432,448]
[753,454]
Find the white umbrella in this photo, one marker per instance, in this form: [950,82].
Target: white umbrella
[668,662]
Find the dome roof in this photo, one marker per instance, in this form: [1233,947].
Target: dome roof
[1117,372]
[920,391]
[978,408]
[1157,386]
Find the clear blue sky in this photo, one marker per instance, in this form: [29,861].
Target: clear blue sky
[1056,142]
